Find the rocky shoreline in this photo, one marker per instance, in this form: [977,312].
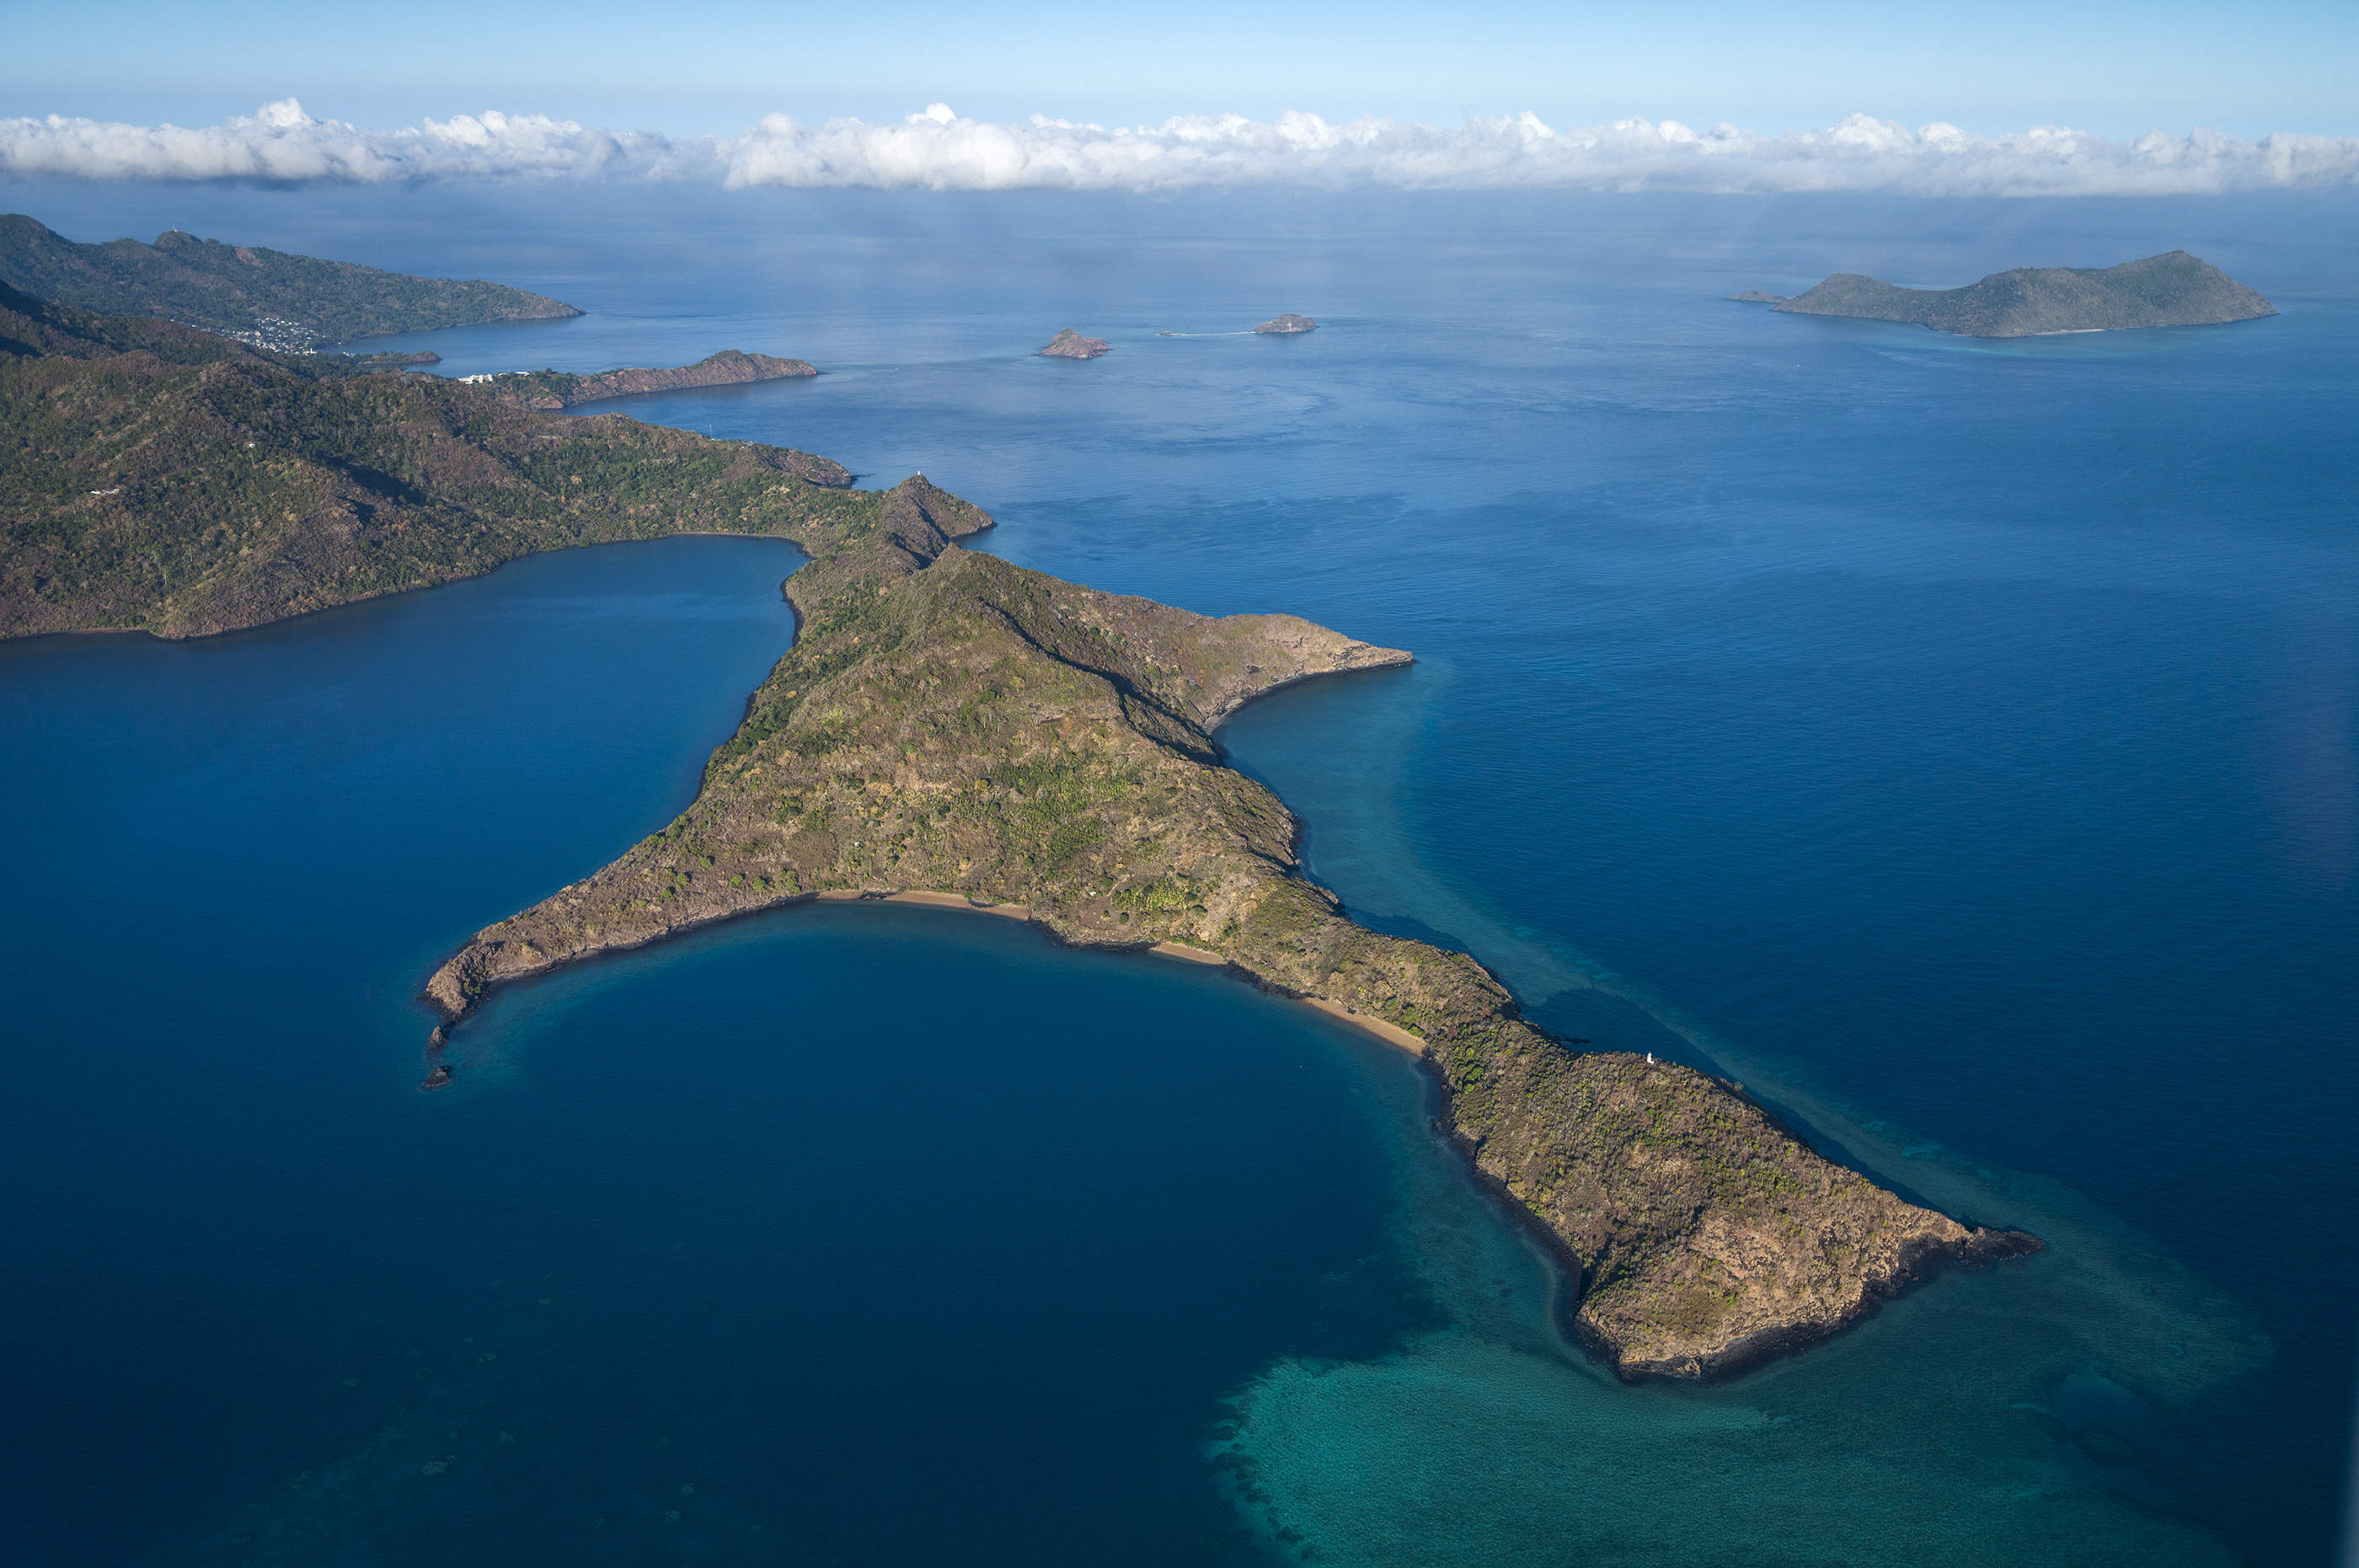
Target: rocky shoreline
[1070,344]
[551,391]
[2174,289]
[949,721]
[946,723]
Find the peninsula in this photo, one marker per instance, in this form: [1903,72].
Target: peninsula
[1288,324]
[266,298]
[554,390]
[1070,344]
[946,726]
[2170,290]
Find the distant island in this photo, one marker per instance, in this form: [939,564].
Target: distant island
[948,728]
[1070,344]
[1287,324]
[2169,291]
[264,298]
[554,390]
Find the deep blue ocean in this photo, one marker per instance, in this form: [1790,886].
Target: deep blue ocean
[1956,741]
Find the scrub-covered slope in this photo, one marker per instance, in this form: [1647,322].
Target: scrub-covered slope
[156,478]
[945,721]
[261,296]
[2170,290]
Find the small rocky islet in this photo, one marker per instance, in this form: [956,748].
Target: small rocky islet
[1286,325]
[947,725]
[2174,289]
[1070,344]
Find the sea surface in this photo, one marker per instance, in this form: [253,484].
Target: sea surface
[1957,742]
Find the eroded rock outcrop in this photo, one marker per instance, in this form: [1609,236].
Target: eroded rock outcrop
[1070,344]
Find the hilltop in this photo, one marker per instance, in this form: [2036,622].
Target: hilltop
[268,299]
[2169,291]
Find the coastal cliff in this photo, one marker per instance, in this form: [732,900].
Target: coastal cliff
[553,389]
[946,724]
[2170,290]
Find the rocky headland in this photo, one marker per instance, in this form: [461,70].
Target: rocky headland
[554,390]
[2170,290]
[1288,324]
[1070,344]
[946,726]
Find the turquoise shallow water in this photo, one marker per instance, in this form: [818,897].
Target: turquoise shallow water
[1958,741]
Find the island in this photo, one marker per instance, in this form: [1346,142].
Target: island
[1070,344]
[947,728]
[1288,324]
[2174,289]
[554,390]
[266,298]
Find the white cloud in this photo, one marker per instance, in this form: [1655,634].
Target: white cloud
[937,150]
[282,144]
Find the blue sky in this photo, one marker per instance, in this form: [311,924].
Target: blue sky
[2246,69]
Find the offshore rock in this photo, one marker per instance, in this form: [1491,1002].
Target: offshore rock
[1070,344]
[1287,324]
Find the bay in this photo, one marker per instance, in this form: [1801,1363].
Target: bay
[1955,739]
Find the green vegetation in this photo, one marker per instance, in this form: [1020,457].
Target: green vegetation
[945,721]
[158,478]
[553,389]
[2171,290]
[264,296]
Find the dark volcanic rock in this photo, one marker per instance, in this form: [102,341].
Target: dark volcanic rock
[1288,324]
[1070,344]
[2171,290]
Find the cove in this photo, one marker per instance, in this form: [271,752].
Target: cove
[873,1234]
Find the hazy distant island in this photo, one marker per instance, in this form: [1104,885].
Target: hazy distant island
[947,728]
[554,390]
[266,298]
[2169,291]
[1070,344]
[1287,324]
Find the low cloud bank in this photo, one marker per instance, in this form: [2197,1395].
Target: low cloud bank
[937,150]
